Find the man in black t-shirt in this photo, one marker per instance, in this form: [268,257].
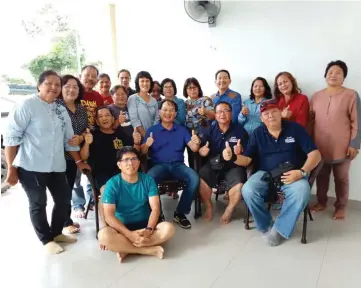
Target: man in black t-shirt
[102,145]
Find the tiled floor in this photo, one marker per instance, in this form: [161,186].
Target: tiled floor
[208,255]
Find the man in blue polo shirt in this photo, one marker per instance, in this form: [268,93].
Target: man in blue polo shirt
[167,142]
[223,143]
[223,80]
[273,144]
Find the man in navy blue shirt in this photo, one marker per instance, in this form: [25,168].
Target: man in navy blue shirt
[223,143]
[167,141]
[273,144]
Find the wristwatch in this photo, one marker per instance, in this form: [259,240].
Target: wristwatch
[304,173]
[150,229]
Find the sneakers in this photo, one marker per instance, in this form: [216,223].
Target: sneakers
[182,220]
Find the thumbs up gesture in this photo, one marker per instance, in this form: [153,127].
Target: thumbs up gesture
[227,152]
[121,118]
[286,113]
[204,150]
[137,138]
[245,110]
[195,139]
[238,149]
[88,136]
[150,140]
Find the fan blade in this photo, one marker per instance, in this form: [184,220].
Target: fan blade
[196,10]
[211,9]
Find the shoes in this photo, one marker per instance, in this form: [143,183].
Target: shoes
[182,220]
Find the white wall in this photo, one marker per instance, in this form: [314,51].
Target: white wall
[251,39]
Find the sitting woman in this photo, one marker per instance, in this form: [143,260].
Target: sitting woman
[169,90]
[120,110]
[294,105]
[143,109]
[250,116]
[104,88]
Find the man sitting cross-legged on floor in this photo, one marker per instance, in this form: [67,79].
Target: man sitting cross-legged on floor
[167,142]
[131,209]
[223,143]
[275,143]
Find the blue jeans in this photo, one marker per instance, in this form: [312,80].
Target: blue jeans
[178,171]
[78,196]
[297,195]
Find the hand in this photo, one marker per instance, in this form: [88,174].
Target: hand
[75,140]
[245,110]
[146,233]
[150,140]
[227,152]
[286,113]
[138,239]
[204,150]
[195,139]
[12,177]
[202,111]
[121,118]
[137,138]
[291,176]
[238,149]
[352,153]
[88,137]
[81,166]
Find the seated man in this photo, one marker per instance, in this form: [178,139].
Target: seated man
[223,136]
[273,144]
[167,142]
[131,209]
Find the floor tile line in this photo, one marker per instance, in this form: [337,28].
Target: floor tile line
[323,257]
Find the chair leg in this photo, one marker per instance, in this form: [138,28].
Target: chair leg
[246,220]
[309,213]
[96,207]
[217,194]
[88,207]
[269,206]
[304,229]
[197,208]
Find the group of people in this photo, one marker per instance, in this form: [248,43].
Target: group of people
[69,126]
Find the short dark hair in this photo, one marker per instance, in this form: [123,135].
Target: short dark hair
[338,63]
[101,108]
[225,71]
[166,80]
[125,150]
[143,74]
[124,70]
[116,87]
[195,82]
[267,88]
[223,102]
[45,75]
[90,66]
[171,102]
[104,75]
[65,79]
[156,82]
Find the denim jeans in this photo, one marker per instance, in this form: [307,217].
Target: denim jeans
[178,171]
[78,196]
[297,195]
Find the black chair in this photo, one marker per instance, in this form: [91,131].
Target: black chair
[307,212]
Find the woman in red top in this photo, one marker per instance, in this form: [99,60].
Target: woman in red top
[104,88]
[294,105]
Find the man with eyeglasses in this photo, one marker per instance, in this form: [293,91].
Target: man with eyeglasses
[274,144]
[131,210]
[222,145]
[166,142]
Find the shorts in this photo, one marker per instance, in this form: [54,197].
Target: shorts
[231,176]
[137,225]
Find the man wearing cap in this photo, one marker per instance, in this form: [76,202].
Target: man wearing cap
[272,144]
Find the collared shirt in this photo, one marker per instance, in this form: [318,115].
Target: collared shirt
[168,145]
[217,139]
[299,106]
[79,120]
[252,120]
[41,131]
[293,145]
[234,99]
[91,101]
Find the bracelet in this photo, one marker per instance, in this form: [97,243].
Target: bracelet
[150,229]
[77,162]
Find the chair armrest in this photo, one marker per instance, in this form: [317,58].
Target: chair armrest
[314,173]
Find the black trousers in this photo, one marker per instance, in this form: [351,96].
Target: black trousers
[71,169]
[35,184]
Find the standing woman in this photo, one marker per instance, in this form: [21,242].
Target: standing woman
[38,132]
[72,91]
[250,115]
[156,93]
[293,104]
[142,108]
[104,88]
[336,128]
[169,90]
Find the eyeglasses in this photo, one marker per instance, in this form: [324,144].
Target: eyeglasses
[223,111]
[126,160]
[168,87]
